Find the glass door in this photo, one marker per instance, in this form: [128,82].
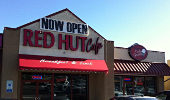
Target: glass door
[44,90]
[29,91]
[128,88]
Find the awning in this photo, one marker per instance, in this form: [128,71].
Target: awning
[144,68]
[61,63]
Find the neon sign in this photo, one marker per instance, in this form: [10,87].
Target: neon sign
[127,79]
[37,77]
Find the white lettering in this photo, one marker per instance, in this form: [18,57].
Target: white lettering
[56,61]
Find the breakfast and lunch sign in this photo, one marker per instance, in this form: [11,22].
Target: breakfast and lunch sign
[64,35]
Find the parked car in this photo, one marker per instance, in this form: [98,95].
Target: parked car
[135,98]
[165,95]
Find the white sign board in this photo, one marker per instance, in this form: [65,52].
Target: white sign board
[9,86]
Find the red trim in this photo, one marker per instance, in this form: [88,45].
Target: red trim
[61,63]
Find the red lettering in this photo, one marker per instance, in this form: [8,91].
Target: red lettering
[68,41]
[87,46]
[45,40]
[37,38]
[83,43]
[71,43]
[60,41]
[96,46]
[27,37]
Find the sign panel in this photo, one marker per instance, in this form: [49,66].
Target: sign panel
[62,26]
[61,36]
[138,52]
[9,86]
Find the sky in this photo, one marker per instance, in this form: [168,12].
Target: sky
[146,22]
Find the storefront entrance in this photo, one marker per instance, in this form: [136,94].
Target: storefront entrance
[128,88]
[135,85]
[43,86]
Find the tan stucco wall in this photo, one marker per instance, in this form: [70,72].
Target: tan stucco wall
[160,82]
[153,56]
[167,83]
[64,16]
[101,85]
[10,63]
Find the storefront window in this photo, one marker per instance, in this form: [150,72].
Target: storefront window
[36,76]
[139,86]
[135,85]
[79,87]
[29,91]
[118,86]
[46,86]
[62,87]
[150,86]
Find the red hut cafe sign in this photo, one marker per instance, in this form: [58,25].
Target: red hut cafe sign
[32,38]
[46,39]
[138,52]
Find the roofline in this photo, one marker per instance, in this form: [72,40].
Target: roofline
[148,50]
[66,9]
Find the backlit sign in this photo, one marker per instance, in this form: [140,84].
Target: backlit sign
[138,52]
[127,79]
[37,77]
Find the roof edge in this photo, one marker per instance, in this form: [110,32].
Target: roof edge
[148,50]
[66,9]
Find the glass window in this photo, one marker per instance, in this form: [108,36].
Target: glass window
[70,87]
[118,86]
[150,86]
[139,86]
[62,90]
[29,91]
[44,90]
[36,76]
[79,87]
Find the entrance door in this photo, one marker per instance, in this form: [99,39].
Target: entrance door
[36,90]
[128,88]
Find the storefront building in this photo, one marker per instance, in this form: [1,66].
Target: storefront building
[167,79]
[58,57]
[139,71]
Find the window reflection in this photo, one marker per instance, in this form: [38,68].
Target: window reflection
[62,87]
[142,85]
[150,86]
[79,87]
[29,90]
[139,86]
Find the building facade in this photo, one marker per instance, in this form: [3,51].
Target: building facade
[60,57]
[136,76]
[167,79]
[57,57]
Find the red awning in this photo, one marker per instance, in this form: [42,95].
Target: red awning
[144,68]
[61,63]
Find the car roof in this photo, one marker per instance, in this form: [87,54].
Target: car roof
[143,97]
